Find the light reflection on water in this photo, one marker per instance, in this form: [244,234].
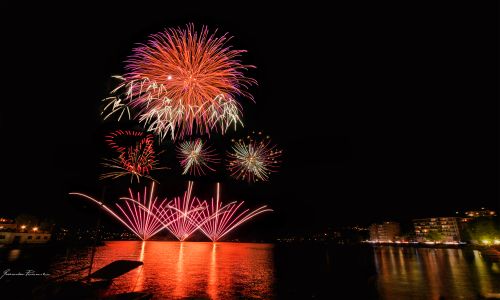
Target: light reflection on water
[427,273]
[13,254]
[179,270]
[175,270]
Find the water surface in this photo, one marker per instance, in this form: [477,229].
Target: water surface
[203,270]
[429,273]
[176,270]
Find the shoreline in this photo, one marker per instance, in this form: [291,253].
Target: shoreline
[326,243]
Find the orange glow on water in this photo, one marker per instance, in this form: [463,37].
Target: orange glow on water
[212,277]
[175,270]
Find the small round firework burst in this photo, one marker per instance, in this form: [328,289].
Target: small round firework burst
[195,157]
[136,154]
[183,82]
[253,159]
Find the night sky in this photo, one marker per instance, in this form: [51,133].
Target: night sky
[383,112]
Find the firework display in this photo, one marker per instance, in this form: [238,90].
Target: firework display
[195,157]
[119,140]
[182,215]
[109,211]
[253,159]
[136,155]
[134,213]
[137,212]
[145,215]
[182,82]
[220,220]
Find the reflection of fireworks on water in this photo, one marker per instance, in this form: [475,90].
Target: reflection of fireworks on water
[253,160]
[182,82]
[137,159]
[195,157]
[221,220]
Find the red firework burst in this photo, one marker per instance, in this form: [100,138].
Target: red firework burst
[136,154]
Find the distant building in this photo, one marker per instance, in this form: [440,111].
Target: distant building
[7,224]
[24,237]
[464,222]
[12,233]
[447,228]
[480,213]
[384,232]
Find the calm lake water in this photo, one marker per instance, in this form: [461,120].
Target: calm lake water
[198,270]
[427,273]
[178,270]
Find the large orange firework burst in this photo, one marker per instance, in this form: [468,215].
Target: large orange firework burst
[183,82]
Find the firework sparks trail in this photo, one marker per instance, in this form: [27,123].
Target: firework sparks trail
[253,160]
[143,222]
[182,82]
[222,219]
[182,216]
[137,213]
[137,159]
[195,157]
[134,215]
[145,215]
[114,142]
[110,211]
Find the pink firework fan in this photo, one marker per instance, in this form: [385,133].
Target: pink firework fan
[195,157]
[219,220]
[135,213]
[182,215]
[145,215]
[183,82]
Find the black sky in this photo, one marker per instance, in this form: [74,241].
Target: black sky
[384,112]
